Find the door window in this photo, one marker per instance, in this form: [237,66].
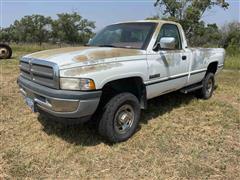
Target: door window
[170,30]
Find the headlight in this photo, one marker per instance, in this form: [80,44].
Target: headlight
[77,84]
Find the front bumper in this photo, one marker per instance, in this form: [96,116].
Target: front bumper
[60,103]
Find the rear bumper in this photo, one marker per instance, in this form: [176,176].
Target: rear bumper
[60,103]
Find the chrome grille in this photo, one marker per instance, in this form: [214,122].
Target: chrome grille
[40,72]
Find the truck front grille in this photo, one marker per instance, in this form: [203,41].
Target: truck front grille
[40,72]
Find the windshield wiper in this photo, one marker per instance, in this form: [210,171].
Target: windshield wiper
[106,45]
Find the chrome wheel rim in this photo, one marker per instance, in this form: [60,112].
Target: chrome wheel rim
[3,52]
[124,118]
[209,86]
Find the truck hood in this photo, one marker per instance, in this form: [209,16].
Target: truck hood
[68,57]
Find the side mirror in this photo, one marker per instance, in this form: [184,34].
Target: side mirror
[168,43]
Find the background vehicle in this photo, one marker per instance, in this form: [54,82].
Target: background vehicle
[113,77]
[5,51]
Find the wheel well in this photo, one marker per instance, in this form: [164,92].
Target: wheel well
[212,67]
[133,85]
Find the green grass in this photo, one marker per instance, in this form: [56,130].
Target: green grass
[232,62]
[179,137]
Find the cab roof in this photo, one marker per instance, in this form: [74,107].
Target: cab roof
[151,21]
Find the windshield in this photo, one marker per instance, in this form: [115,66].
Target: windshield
[125,35]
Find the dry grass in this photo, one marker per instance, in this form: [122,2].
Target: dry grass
[179,137]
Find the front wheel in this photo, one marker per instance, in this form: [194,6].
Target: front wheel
[208,87]
[120,118]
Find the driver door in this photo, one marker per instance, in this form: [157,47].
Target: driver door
[168,68]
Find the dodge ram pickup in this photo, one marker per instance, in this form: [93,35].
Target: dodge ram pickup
[113,76]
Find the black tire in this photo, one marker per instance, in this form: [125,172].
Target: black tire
[5,51]
[109,124]
[208,87]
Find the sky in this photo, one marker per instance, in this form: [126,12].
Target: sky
[103,12]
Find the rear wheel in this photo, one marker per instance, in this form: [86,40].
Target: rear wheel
[208,87]
[5,51]
[120,118]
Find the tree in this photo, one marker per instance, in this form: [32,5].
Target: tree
[188,12]
[68,28]
[207,36]
[34,28]
[230,40]
[42,27]
[72,28]
[5,35]
[11,34]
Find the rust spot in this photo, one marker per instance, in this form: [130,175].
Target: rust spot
[111,53]
[82,58]
[89,69]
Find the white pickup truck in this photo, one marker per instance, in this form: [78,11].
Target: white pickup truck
[114,75]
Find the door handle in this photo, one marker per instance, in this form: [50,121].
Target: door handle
[184,58]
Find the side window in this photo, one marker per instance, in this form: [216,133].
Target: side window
[170,30]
